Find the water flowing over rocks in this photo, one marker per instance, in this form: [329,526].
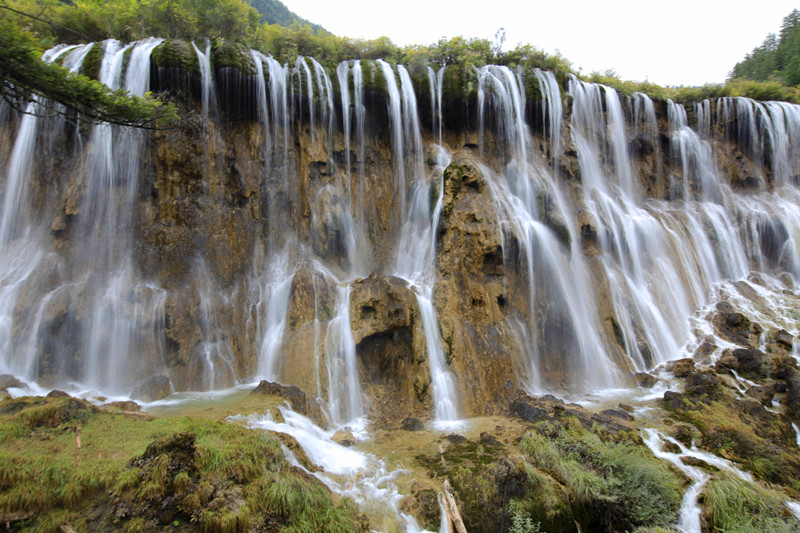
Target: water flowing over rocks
[410,248]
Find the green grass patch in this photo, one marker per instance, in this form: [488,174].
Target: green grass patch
[612,483]
[735,505]
[138,474]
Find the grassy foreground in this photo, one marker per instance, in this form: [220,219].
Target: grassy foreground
[66,465]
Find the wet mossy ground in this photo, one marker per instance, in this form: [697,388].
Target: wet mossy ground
[65,462]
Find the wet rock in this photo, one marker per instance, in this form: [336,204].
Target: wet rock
[153,389]
[734,326]
[781,366]
[456,438]
[125,406]
[344,437]
[412,424]
[524,409]
[761,394]
[616,413]
[702,382]
[792,398]
[646,380]
[298,399]
[681,368]
[380,305]
[675,401]
[8,381]
[625,407]
[423,503]
[511,476]
[488,440]
[671,447]
[696,461]
[784,338]
[750,361]
[727,362]
[703,352]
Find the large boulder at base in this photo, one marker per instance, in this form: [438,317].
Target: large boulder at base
[298,399]
[153,389]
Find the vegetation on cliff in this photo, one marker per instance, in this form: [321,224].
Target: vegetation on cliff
[64,461]
[777,59]
[23,76]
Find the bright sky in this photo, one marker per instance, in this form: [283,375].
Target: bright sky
[675,42]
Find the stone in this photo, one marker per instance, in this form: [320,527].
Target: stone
[344,437]
[412,424]
[702,382]
[130,406]
[761,394]
[785,339]
[750,360]
[153,389]
[8,381]
[489,440]
[675,400]
[299,400]
[681,368]
[55,393]
[616,413]
[735,327]
[646,380]
[524,409]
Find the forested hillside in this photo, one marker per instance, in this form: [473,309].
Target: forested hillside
[275,12]
[778,57]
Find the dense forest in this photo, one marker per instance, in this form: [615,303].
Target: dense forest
[28,27]
[778,57]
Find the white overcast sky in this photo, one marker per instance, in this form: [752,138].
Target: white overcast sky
[674,42]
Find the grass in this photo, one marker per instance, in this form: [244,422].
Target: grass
[134,474]
[736,505]
[617,483]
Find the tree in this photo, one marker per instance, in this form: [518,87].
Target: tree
[24,76]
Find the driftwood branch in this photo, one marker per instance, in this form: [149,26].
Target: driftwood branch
[451,509]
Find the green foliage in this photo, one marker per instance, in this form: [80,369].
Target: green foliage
[777,59]
[275,12]
[733,504]
[217,476]
[626,482]
[520,523]
[24,75]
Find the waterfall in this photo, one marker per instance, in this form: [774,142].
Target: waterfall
[209,101]
[345,404]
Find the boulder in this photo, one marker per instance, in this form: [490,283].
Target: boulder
[735,327]
[646,380]
[412,424]
[8,381]
[153,389]
[525,409]
[299,400]
[681,368]
[344,437]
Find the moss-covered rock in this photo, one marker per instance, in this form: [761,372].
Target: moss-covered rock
[227,54]
[174,53]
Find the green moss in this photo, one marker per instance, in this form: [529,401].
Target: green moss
[733,504]
[174,53]
[227,54]
[91,62]
[197,473]
[622,484]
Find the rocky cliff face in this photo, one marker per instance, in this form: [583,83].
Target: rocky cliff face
[571,237]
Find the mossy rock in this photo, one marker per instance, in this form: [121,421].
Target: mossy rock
[226,54]
[91,63]
[374,80]
[459,81]
[174,53]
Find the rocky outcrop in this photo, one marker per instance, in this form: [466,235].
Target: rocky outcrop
[470,296]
